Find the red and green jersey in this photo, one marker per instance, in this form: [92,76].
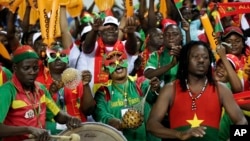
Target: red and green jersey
[208,112]
[5,75]
[24,108]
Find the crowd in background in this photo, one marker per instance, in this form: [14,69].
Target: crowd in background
[169,57]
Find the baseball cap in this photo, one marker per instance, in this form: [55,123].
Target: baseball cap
[86,29]
[3,32]
[36,36]
[111,20]
[232,29]
[233,60]
[166,22]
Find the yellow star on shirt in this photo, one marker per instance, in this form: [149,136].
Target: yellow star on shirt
[77,105]
[195,122]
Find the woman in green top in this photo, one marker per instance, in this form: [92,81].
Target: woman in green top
[121,93]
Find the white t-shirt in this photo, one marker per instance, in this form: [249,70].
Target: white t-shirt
[87,61]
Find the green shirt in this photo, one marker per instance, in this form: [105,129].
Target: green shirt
[157,60]
[111,107]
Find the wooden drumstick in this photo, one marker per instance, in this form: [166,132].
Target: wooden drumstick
[72,137]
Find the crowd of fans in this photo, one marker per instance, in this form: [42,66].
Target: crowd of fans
[120,59]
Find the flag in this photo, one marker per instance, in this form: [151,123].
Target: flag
[178,3]
[218,26]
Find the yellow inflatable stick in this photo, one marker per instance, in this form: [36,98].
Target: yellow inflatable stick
[4,52]
[53,21]
[129,8]
[33,4]
[213,40]
[104,4]
[64,2]
[48,5]
[34,16]
[74,8]
[5,3]
[21,10]
[58,29]
[14,5]
[163,8]
[44,21]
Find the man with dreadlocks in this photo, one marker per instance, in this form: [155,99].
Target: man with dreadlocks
[194,101]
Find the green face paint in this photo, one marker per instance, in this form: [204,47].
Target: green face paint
[53,55]
[112,68]
[63,59]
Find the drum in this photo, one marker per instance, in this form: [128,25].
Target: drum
[95,131]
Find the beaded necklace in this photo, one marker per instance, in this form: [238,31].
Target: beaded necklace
[194,107]
[124,92]
[33,101]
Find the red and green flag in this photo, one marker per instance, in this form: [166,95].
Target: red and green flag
[178,3]
[217,26]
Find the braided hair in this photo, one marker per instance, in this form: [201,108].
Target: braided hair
[185,53]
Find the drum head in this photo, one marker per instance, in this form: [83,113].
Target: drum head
[95,131]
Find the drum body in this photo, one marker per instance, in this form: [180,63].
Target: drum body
[95,131]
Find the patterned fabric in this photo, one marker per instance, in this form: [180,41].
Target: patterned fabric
[22,108]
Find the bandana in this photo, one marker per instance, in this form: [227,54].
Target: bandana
[113,64]
[60,54]
[24,52]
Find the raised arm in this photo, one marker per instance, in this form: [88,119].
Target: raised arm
[141,13]
[26,18]
[89,43]
[87,102]
[12,40]
[234,80]
[65,34]
[131,43]
[151,15]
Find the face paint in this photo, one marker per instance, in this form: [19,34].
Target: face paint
[112,68]
[60,54]
[112,64]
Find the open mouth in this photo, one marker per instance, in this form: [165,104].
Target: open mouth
[119,69]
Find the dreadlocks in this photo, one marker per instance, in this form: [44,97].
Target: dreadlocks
[184,62]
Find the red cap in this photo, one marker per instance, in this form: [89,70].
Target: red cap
[232,29]
[166,22]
